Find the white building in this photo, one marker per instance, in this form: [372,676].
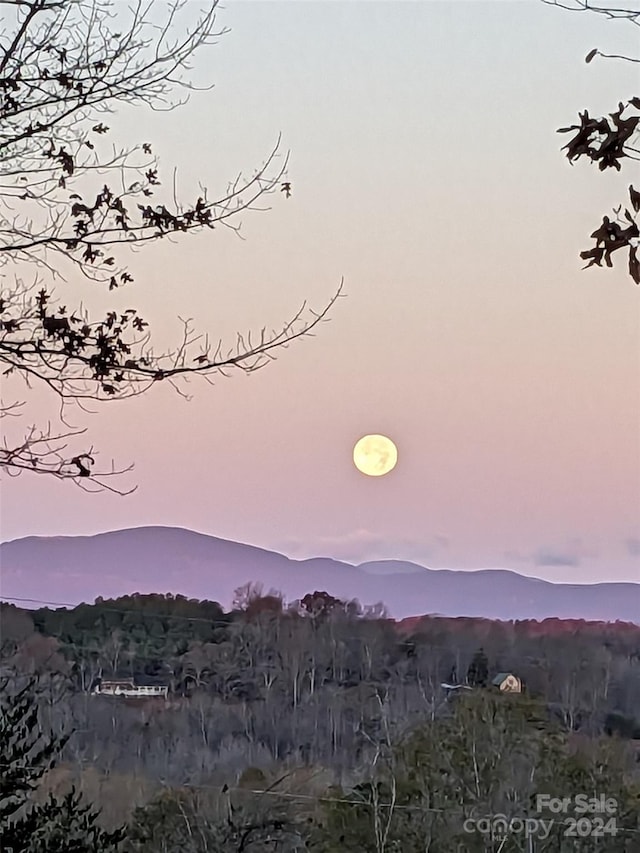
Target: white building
[128,687]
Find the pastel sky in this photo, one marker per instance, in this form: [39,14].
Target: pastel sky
[426,170]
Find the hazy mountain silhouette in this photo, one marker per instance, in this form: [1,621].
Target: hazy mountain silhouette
[167,559]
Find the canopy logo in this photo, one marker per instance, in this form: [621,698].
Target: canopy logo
[579,816]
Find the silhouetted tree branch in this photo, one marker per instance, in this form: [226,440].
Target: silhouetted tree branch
[46,452]
[608,141]
[610,11]
[69,204]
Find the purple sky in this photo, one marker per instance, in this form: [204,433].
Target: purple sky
[426,170]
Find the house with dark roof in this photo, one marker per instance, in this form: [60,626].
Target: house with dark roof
[507,682]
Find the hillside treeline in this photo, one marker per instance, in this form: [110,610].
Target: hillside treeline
[336,713]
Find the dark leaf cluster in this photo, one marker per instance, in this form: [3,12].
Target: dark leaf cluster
[607,142]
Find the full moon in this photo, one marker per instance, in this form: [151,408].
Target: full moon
[375,455]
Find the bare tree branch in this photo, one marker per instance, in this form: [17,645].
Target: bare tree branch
[70,203]
[611,12]
[43,452]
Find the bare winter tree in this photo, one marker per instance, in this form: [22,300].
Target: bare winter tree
[72,204]
[607,141]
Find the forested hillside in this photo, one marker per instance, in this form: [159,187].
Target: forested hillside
[331,713]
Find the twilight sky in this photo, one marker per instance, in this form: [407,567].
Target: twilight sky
[425,170]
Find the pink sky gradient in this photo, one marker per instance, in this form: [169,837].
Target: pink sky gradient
[426,170]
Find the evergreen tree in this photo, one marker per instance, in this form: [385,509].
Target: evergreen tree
[478,672]
[61,825]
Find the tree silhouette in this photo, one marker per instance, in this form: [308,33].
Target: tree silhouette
[478,672]
[608,141]
[320,604]
[61,824]
[71,206]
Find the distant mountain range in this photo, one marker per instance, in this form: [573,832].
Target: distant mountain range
[72,569]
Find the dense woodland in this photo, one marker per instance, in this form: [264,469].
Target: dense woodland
[323,725]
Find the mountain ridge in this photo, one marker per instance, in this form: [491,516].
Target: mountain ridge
[156,558]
